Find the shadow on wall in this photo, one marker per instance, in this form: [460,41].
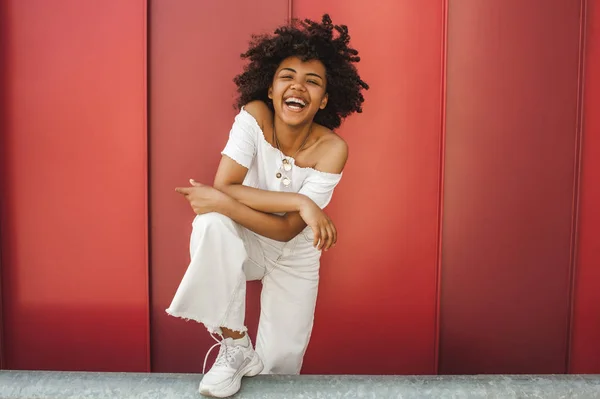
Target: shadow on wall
[83,346]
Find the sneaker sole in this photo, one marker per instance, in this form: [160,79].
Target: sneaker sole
[252,369]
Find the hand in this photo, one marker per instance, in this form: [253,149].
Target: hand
[203,199]
[321,225]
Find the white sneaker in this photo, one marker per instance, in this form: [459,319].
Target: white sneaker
[234,361]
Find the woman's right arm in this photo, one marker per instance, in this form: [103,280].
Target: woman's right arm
[229,178]
[205,199]
[279,228]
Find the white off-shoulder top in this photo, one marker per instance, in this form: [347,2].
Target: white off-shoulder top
[248,147]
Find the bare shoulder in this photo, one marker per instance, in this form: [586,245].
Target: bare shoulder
[333,152]
[334,144]
[260,111]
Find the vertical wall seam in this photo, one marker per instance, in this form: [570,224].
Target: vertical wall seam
[573,255]
[4,37]
[290,11]
[440,205]
[146,140]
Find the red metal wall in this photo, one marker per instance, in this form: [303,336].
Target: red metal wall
[194,55]
[504,137]
[73,164]
[585,350]
[512,84]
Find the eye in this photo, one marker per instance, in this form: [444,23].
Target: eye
[286,77]
[314,82]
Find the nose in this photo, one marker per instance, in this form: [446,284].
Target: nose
[298,86]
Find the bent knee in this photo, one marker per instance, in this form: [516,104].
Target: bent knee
[212,219]
[213,229]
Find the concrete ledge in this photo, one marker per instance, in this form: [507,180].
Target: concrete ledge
[79,385]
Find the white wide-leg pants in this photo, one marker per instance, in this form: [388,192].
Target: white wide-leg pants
[224,255]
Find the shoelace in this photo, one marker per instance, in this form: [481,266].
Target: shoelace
[226,353]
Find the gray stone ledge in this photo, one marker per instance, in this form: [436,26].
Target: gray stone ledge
[82,385]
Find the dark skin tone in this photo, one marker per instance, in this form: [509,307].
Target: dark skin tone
[324,151]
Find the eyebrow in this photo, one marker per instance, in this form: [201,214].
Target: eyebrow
[310,73]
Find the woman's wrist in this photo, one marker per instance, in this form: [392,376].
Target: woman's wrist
[226,206]
[302,201]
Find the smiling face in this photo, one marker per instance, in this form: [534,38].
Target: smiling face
[298,90]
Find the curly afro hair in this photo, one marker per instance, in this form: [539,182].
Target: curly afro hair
[307,40]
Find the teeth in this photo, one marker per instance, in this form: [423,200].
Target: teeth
[296,101]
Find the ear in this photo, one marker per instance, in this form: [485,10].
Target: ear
[324,101]
[270,92]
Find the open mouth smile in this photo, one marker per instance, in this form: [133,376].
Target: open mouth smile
[295,103]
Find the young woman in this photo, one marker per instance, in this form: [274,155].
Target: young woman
[263,217]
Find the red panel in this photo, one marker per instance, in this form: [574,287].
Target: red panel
[195,48]
[74,267]
[585,346]
[509,184]
[3,125]
[377,298]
